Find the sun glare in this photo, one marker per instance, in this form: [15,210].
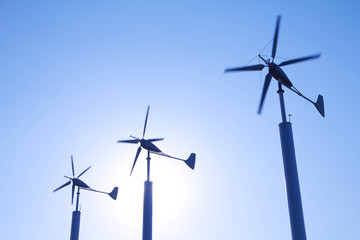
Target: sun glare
[169,194]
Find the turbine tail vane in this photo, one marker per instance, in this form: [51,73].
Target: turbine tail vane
[320,105]
[114,193]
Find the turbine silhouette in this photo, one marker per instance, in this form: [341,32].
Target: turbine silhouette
[148,145]
[76,182]
[292,184]
[278,74]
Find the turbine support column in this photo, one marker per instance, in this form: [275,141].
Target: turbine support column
[147,214]
[292,181]
[75,222]
[148,165]
[75,225]
[77,199]
[282,103]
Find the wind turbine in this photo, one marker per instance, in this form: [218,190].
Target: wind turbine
[286,137]
[148,145]
[278,74]
[76,182]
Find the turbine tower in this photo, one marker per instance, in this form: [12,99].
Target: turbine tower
[148,145]
[286,137]
[76,182]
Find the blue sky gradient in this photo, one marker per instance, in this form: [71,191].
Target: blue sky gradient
[77,76]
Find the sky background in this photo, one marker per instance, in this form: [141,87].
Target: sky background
[76,76]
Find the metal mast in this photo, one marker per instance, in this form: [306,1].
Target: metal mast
[75,222]
[147,211]
[291,175]
[148,145]
[286,136]
[76,182]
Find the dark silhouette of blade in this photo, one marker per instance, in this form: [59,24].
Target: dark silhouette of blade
[129,141]
[72,166]
[296,60]
[273,53]
[136,157]
[155,139]
[266,86]
[147,114]
[62,186]
[258,67]
[72,193]
[83,172]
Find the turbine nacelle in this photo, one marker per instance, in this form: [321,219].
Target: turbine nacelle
[79,183]
[148,145]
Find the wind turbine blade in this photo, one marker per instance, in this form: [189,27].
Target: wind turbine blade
[72,166]
[266,86]
[129,141]
[147,114]
[273,53]
[64,185]
[296,60]
[84,172]
[258,67]
[155,139]
[136,157]
[72,193]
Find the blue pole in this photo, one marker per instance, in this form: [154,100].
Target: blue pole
[291,176]
[75,222]
[147,211]
[147,217]
[75,225]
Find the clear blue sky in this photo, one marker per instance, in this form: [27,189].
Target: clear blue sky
[76,76]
